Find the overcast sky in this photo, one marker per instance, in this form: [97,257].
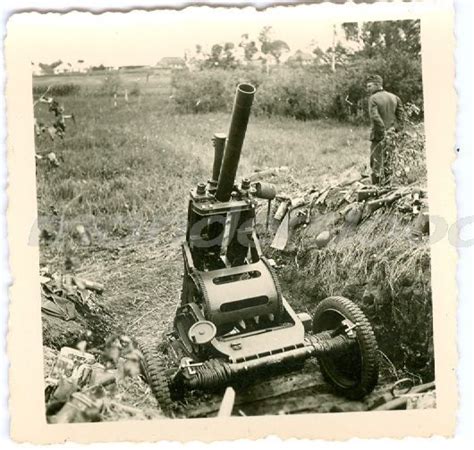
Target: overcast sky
[144,38]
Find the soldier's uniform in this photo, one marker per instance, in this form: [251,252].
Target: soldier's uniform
[385,111]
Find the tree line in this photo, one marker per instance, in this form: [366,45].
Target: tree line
[336,74]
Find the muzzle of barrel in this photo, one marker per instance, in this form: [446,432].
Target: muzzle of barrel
[235,139]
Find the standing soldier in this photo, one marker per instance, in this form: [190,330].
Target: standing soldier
[385,111]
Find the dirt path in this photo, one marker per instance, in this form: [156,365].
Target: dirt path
[143,283]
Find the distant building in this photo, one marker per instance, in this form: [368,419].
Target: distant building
[59,67]
[300,58]
[63,67]
[171,62]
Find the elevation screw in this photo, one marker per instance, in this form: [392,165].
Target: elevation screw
[245,184]
[201,188]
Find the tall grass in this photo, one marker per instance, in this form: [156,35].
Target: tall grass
[132,173]
[383,267]
[58,90]
[126,171]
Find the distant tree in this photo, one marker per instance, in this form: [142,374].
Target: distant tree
[49,68]
[215,56]
[320,57]
[229,60]
[98,68]
[351,30]
[249,47]
[277,49]
[341,54]
[55,64]
[221,56]
[400,36]
[324,58]
[269,46]
[391,49]
[300,59]
[264,36]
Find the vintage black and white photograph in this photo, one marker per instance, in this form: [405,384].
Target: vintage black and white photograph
[233,216]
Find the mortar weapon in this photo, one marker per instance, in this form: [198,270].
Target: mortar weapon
[233,320]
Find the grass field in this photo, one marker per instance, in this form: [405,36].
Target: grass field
[134,164]
[148,82]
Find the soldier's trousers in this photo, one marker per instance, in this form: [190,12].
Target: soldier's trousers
[378,161]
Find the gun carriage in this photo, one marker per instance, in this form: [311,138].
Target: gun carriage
[232,320]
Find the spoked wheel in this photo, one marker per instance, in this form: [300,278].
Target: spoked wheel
[353,372]
[155,373]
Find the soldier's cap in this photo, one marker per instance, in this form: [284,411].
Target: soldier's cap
[375,79]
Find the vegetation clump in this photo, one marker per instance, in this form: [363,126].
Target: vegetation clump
[325,84]
[385,268]
[58,90]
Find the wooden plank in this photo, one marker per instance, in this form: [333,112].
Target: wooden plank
[274,387]
[280,386]
[227,404]
[303,401]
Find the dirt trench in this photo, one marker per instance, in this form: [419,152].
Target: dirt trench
[143,284]
[143,278]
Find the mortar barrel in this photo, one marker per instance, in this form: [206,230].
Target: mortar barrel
[219,144]
[233,148]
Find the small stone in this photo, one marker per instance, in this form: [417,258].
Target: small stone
[323,238]
[354,214]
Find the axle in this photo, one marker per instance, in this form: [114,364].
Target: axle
[215,373]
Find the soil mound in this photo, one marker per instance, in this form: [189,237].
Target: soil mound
[369,244]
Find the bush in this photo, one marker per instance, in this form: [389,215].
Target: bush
[283,92]
[200,91]
[401,75]
[305,93]
[252,75]
[58,90]
[295,93]
[210,90]
[406,150]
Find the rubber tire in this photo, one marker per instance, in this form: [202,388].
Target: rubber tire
[155,373]
[367,345]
